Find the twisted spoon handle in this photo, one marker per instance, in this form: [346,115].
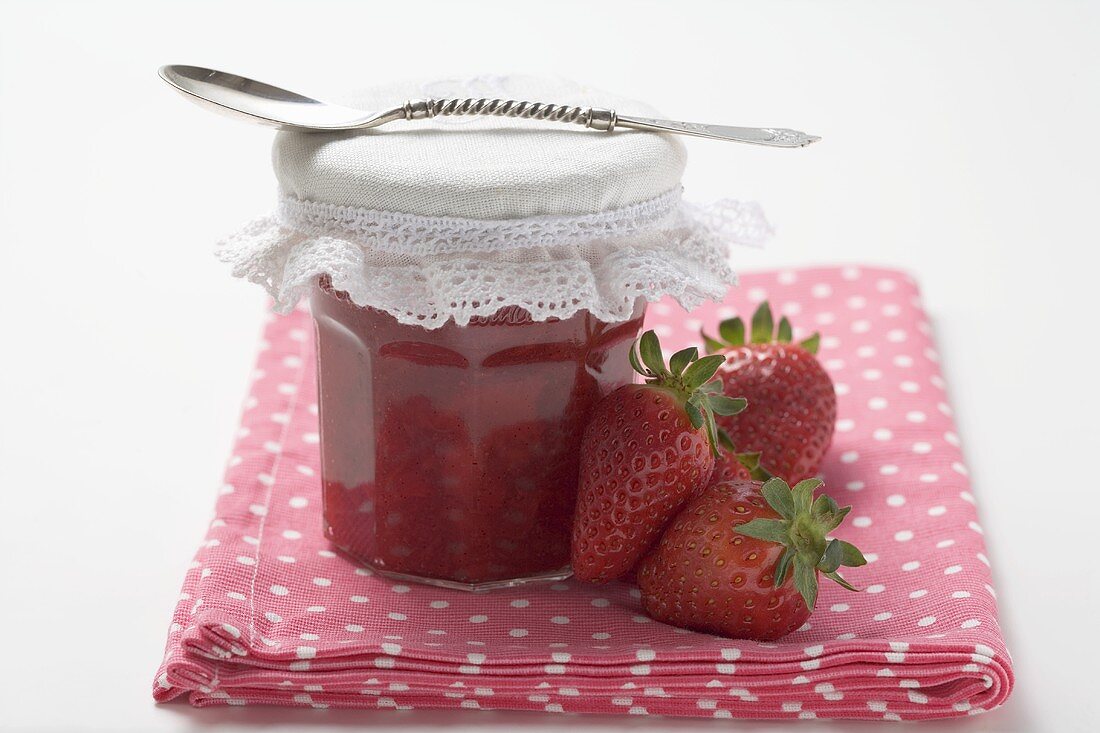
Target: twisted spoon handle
[600,119]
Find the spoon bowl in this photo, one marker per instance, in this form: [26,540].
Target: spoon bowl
[264,104]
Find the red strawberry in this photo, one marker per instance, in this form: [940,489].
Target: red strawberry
[733,466]
[646,448]
[792,401]
[722,565]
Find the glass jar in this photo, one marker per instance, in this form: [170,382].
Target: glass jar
[449,456]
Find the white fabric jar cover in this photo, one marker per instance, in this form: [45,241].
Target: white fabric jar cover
[457,217]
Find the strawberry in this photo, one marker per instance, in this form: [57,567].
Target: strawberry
[792,401]
[646,448]
[733,466]
[722,565]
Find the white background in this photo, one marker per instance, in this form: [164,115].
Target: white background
[960,142]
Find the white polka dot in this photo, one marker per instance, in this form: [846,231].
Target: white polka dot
[910,387]
[850,273]
[397,616]
[951,438]
[861,522]
[854,486]
[245,560]
[520,603]
[821,290]
[849,457]
[258,509]
[918,594]
[354,628]
[888,470]
[895,500]
[910,566]
[936,511]
[306,652]
[884,616]
[877,588]
[922,448]
[825,319]
[478,619]
[757,294]
[786,277]
[518,633]
[292,534]
[926,621]
[845,426]
[286,559]
[945,543]
[273,617]
[952,569]
[872,375]
[886,285]
[877,403]
[322,582]
[903,360]
[896,336]
[970,623]
[916,416]
[856,302]
[882,434]
[839,607]
[359,599]
[298,502]
[280,590]
[961,594]
[841,388]
[929,478]
[861,326]
[866,352]
[559,620]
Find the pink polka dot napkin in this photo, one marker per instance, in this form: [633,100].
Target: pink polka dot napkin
[270,614]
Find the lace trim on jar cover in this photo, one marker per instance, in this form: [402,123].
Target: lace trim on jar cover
[426,270]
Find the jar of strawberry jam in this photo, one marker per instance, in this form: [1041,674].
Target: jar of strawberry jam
[476,285]
[451,454]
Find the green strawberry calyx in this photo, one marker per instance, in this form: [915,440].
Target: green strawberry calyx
[691,378]
[731,333]
[803,529]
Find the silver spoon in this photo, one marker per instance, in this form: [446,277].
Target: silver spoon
[254,101]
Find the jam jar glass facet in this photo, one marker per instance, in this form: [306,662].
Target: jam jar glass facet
[449,456]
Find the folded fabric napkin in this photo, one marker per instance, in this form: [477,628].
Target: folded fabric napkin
[271,614]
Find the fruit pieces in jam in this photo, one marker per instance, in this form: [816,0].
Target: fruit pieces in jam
[450,456]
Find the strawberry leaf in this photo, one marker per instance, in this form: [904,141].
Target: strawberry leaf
[695,415]
[838,579]
[783,566]
[712,346]
[830,561]
[700,372]
[812,343]
[769,530]
[785,333]
[681,359]
[732,331]
[850,555]
[805,580]
[779,498]
[762,324]
[722,405]
[803,494]
[649,347]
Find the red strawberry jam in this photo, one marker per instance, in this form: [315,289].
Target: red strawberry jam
[450,456]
